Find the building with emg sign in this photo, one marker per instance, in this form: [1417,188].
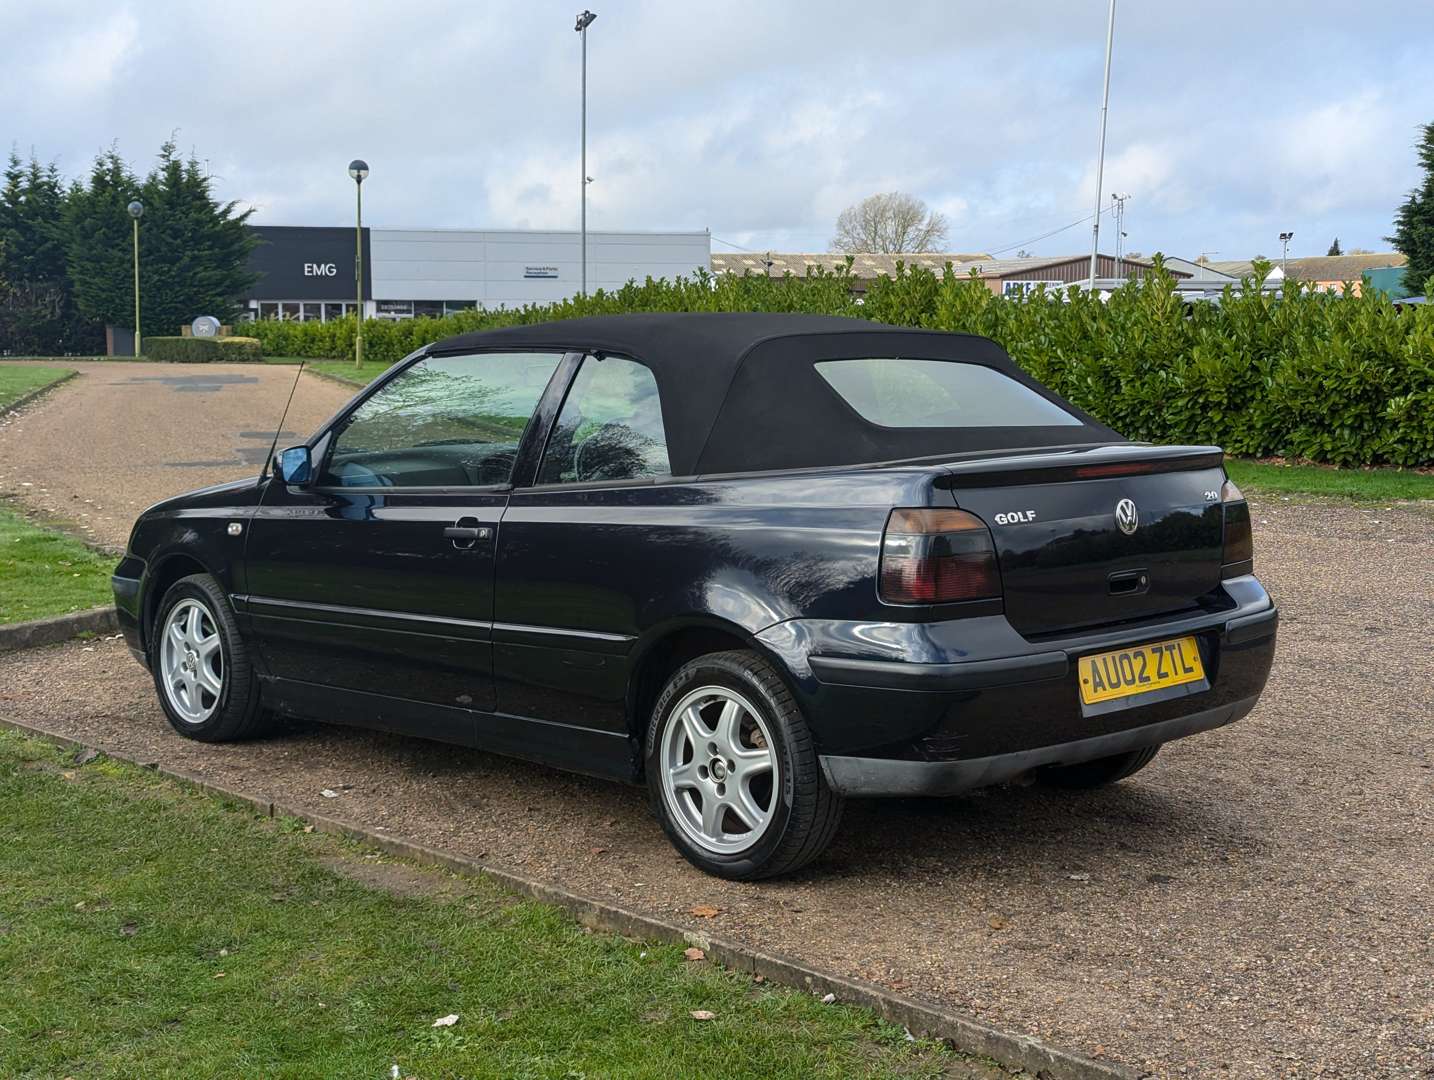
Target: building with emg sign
[307,273]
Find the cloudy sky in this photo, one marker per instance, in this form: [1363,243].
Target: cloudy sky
[759,120]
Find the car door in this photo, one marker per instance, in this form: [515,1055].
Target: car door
[585,545]
[374,583]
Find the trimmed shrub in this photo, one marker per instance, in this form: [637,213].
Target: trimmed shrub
[236,350]
[198,350]
[1331,378]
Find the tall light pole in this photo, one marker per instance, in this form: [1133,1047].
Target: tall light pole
[1285,238]
[358,169]
[1100,154]
[584,21]
[136,211]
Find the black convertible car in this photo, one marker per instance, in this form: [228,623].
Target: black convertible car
[764,561]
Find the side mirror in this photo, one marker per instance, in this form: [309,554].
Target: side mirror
[294,465]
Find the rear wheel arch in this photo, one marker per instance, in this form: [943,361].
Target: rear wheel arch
[777,830]
[658,659]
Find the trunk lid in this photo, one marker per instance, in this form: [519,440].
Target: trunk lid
[1070,555]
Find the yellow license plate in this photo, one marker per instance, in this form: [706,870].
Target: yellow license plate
[1123,672]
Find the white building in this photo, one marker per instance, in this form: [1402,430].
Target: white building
[308,272]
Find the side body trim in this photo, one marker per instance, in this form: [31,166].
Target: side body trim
[515,632]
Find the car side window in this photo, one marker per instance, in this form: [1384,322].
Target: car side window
[610,426]
[449,421]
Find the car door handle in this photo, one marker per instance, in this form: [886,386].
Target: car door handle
[465,532]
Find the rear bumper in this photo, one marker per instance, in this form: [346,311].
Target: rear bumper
[940,707]
[864,776]
[1002,671]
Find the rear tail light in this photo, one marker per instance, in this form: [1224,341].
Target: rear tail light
[1239,543]
[937,557]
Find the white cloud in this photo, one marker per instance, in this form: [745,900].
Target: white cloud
[759,120]
[1331,152]
[81,66]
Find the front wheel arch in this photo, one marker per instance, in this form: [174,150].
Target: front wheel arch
[159,577]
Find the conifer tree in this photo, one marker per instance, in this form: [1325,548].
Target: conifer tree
[193,251]
[98,242]
[37,308]
[1414,223]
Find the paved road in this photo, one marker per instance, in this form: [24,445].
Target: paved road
[97,450]
[1258,902]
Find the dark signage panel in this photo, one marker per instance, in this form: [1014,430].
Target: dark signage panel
[297,262]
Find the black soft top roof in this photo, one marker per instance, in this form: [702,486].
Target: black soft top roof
[740,393]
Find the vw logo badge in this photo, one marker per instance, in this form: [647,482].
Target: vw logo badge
[1127,516]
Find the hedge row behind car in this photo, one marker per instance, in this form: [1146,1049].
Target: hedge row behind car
[199,350]
[1340,379]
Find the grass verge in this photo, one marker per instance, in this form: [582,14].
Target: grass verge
[343,370]
[153,931]
[16,381]
[43,572]
[1381,485]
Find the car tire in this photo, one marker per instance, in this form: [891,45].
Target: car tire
[203,671]
[782,815]
[1101,771]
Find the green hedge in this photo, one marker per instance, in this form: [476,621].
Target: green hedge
[198,350]
[1325,377]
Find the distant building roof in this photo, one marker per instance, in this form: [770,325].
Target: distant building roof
[1205,271]
[1322,267]
[863,266]
[873,265]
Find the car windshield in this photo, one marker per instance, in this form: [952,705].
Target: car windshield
[900,392]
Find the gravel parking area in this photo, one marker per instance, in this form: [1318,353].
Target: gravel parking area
[119,436]
[1259,902]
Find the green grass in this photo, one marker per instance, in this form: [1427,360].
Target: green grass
[149,930]
[343,370]
[16,381]
[43,572]
[1382,485]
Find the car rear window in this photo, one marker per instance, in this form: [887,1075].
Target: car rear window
[901,392]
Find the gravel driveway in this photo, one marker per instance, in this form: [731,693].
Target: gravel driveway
[1258,902]
[98,449]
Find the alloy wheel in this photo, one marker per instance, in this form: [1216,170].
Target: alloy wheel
[719,770]
[191,661]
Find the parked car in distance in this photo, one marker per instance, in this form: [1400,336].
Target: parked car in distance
[761,562]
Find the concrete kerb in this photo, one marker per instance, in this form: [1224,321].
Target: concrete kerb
[1019,1052]
[57,628]
[33,395]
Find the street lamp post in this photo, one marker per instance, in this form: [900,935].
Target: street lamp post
[1285,238]
[136,211]
[584,21]
[1100,154]
[358,169]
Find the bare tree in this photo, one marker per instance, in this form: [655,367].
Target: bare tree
[888,223]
